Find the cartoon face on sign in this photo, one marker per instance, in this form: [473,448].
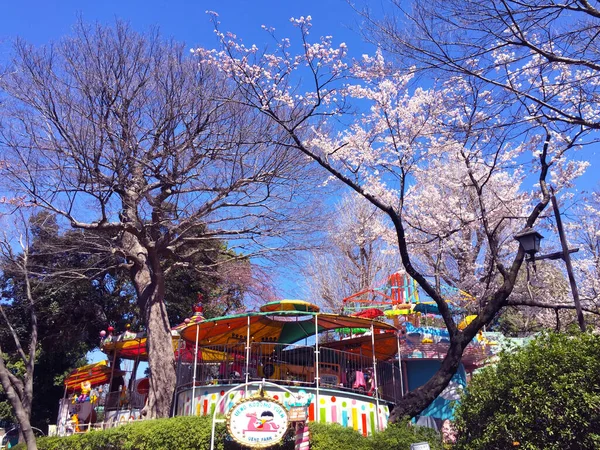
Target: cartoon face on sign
[262,423]
[257,422]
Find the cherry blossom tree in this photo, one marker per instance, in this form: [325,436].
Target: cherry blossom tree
[373,128]
[355,254]
[584,229]
[541,53]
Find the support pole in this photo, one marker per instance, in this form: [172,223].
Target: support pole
[567,258]
[400,366]
[195,370]
[394,384]
[375,375]
[177,377]
[247,350]
[317,378]
[112,374]
[63,418]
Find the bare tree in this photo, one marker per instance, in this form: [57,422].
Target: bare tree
[125,133]
[19,387]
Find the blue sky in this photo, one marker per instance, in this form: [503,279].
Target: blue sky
[43,21]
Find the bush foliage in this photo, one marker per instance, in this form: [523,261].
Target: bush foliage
[396,436]
[543,396]
[187,433]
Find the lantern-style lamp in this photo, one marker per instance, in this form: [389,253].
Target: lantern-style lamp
[529,239]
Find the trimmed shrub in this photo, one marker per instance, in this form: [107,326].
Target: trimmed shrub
[401,435]
[395,437]
[545,395]
[336,437]
[193,433]
[182,433]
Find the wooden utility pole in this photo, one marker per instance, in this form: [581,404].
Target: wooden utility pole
[567,259]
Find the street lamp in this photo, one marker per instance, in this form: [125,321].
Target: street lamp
[530,241]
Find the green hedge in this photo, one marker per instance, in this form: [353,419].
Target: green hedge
[187,433]
[395,437]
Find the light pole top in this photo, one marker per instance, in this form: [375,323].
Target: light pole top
[529,239]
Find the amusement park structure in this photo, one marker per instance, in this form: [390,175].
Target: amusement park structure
[349,368]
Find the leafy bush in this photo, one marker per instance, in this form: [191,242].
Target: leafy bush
[395,437]
[186,433]
[401,435]
[336,437]
[543,396]
[180,432]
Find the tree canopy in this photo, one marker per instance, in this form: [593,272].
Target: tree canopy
[127,136]
[78,292]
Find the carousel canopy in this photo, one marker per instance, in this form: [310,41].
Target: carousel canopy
[386,345]
[132,348]
[283,327]
[289,305]
[97,374]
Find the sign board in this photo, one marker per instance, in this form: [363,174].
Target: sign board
[257,422]
[420,446]
[297,414]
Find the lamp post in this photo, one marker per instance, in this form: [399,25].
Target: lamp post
[529,239]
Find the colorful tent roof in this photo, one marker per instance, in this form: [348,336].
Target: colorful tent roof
[97,374]
[133,348]
[290,305]
[386,345]
[197,317]
[284,327]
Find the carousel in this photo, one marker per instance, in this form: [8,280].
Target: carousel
[349,368]
[342,368]
[108,393]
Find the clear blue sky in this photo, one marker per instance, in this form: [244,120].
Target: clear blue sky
[43,21]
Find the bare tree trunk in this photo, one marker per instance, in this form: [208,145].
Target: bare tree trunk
[148,279]
[419,399]
[160,351]
[18,406]
[20,390]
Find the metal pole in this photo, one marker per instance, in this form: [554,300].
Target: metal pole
[375,374]
[567,259]
[317,378]
[247,350]
[394,383]
[400,366]
[112,373]
[195,369]
[62,422]
[177,378]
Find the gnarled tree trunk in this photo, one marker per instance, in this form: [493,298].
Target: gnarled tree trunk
[148,279]
[19,407]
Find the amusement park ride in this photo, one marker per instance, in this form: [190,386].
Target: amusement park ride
[348,368]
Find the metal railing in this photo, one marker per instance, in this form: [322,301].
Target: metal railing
[291,365]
